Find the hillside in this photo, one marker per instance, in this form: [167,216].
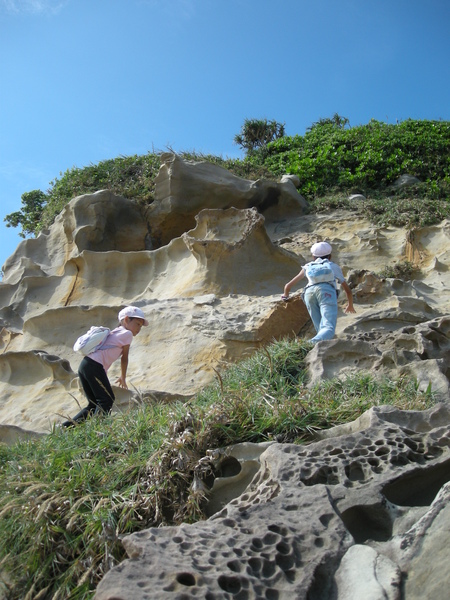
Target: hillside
[332,160]
[205,254]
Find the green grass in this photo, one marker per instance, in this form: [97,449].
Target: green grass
[395,209]
[66,499]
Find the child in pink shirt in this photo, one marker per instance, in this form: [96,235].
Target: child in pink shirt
[93,368]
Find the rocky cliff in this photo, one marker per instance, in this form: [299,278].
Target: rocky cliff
[207,261]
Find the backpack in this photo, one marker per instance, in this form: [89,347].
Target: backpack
[319,272]
[92,340]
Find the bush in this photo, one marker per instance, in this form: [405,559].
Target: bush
[362,158]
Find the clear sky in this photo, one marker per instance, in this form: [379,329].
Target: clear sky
[87,80]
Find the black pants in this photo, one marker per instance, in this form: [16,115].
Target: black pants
[97,388]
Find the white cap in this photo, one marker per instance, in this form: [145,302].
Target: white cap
[321,249]
[132,311]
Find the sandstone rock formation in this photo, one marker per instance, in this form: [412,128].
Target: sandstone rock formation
[97,257]
[346,517]
[183,188]
[362,513]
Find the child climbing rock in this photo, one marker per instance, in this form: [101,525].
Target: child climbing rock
[94,367]
[320,294]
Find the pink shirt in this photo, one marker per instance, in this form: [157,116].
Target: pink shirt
[112,347]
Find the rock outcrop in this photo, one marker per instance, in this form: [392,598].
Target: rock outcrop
[97,257]
[362,513]
[184,188]
[361,509]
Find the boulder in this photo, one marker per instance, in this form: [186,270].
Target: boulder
[406,181]
[183,188]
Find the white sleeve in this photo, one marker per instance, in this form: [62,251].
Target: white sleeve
[337,272]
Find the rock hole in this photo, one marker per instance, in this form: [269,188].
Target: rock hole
[255,565]
[231,585]
[268,569]
[322,475]
[185,579]
[283,548]
[354,472]
[229,467]
[335,451]
[382,451]
[284,562]
[325,519]
[234,566]
[418,487]
[257,544]
[278,529]
[271,538]
[370,522]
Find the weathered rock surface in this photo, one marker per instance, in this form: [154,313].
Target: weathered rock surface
[228,254]
[362,513]
[96,258]
[100,222]
[183,188]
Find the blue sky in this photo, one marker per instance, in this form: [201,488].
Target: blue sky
[86,80]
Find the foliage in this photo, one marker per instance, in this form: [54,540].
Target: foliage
[332,160]
[129,176]
[335,121]
[30,214]
[367,157]
[257,133]
[397,210]
[66,499]
[404,270]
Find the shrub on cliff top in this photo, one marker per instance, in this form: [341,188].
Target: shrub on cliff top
[331,156]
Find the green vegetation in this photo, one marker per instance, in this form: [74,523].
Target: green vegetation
[332,155]
[31,213]
[257,133]
[332,160]
[404,270]
[66,499]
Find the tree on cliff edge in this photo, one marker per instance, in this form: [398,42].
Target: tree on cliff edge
[30,215]
[256,133]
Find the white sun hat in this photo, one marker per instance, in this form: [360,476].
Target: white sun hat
[321,249]
[132,311]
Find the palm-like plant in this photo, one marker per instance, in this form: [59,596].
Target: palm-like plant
[256,133]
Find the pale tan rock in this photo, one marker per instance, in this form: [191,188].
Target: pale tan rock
[363,573]
[235,466]
[393,349]
[99,222]
[227,254]
[422,551]
[183,188]
[96,258]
